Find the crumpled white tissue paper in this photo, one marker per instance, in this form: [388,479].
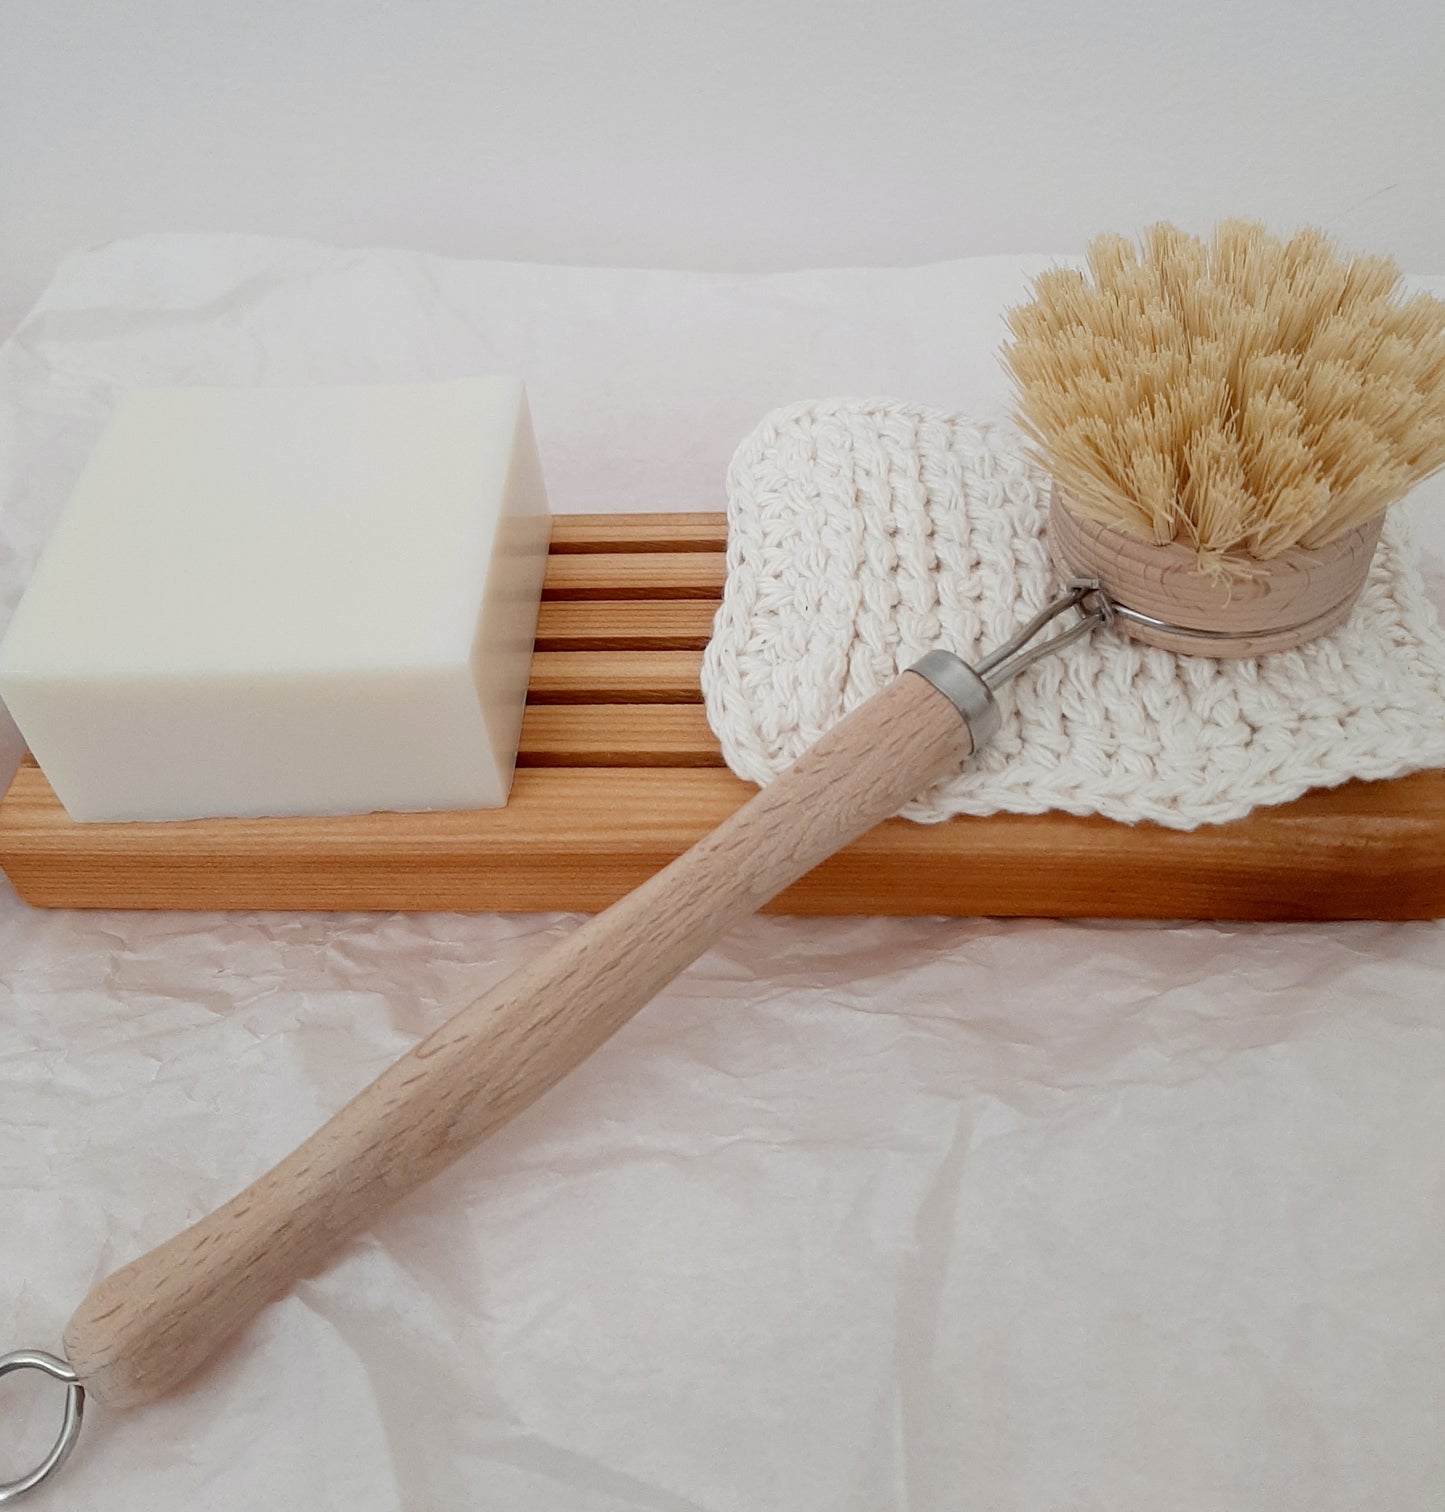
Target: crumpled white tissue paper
[859,1214]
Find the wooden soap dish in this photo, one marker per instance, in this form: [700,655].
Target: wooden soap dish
[619,772]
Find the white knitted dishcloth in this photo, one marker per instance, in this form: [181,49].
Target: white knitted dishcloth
[862,533]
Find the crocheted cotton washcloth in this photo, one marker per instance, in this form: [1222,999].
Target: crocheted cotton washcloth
[862,533]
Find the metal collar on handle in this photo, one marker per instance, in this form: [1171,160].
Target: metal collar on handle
[971,689]
[37,1359]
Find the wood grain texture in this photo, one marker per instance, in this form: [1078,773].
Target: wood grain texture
[635,574]
[639,532]
[1290,600]
[633,625]
[577,839]
[617,735]
[146,1328]
[576,834]
[616,677]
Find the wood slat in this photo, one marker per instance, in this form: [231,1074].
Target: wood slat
[639,532]
[626,625]
[618,735]
[616,677]
[635,575]
[579,839]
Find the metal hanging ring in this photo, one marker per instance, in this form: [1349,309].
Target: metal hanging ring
[48,1364]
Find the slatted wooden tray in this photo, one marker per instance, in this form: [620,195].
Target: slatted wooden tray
[619,773]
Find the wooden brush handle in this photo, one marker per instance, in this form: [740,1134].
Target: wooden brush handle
[144,1329]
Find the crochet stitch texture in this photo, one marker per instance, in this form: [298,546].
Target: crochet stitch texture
[862,533]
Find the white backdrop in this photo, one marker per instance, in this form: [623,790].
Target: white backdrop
[1144,1214]
[754,134]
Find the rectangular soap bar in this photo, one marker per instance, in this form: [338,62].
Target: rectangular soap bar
[277,601]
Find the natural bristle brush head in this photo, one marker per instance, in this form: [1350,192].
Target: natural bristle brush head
[1226,422]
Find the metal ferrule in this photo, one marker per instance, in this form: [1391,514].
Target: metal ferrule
[965,690]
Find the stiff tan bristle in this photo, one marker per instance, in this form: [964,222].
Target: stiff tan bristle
[1244,395]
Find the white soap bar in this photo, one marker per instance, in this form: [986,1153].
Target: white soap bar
[287,601]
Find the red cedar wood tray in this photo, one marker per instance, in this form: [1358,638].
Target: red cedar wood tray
[619,772]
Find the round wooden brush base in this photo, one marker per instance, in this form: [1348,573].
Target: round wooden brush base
[1291,599]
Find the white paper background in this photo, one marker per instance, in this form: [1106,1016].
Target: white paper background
[868,1214]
